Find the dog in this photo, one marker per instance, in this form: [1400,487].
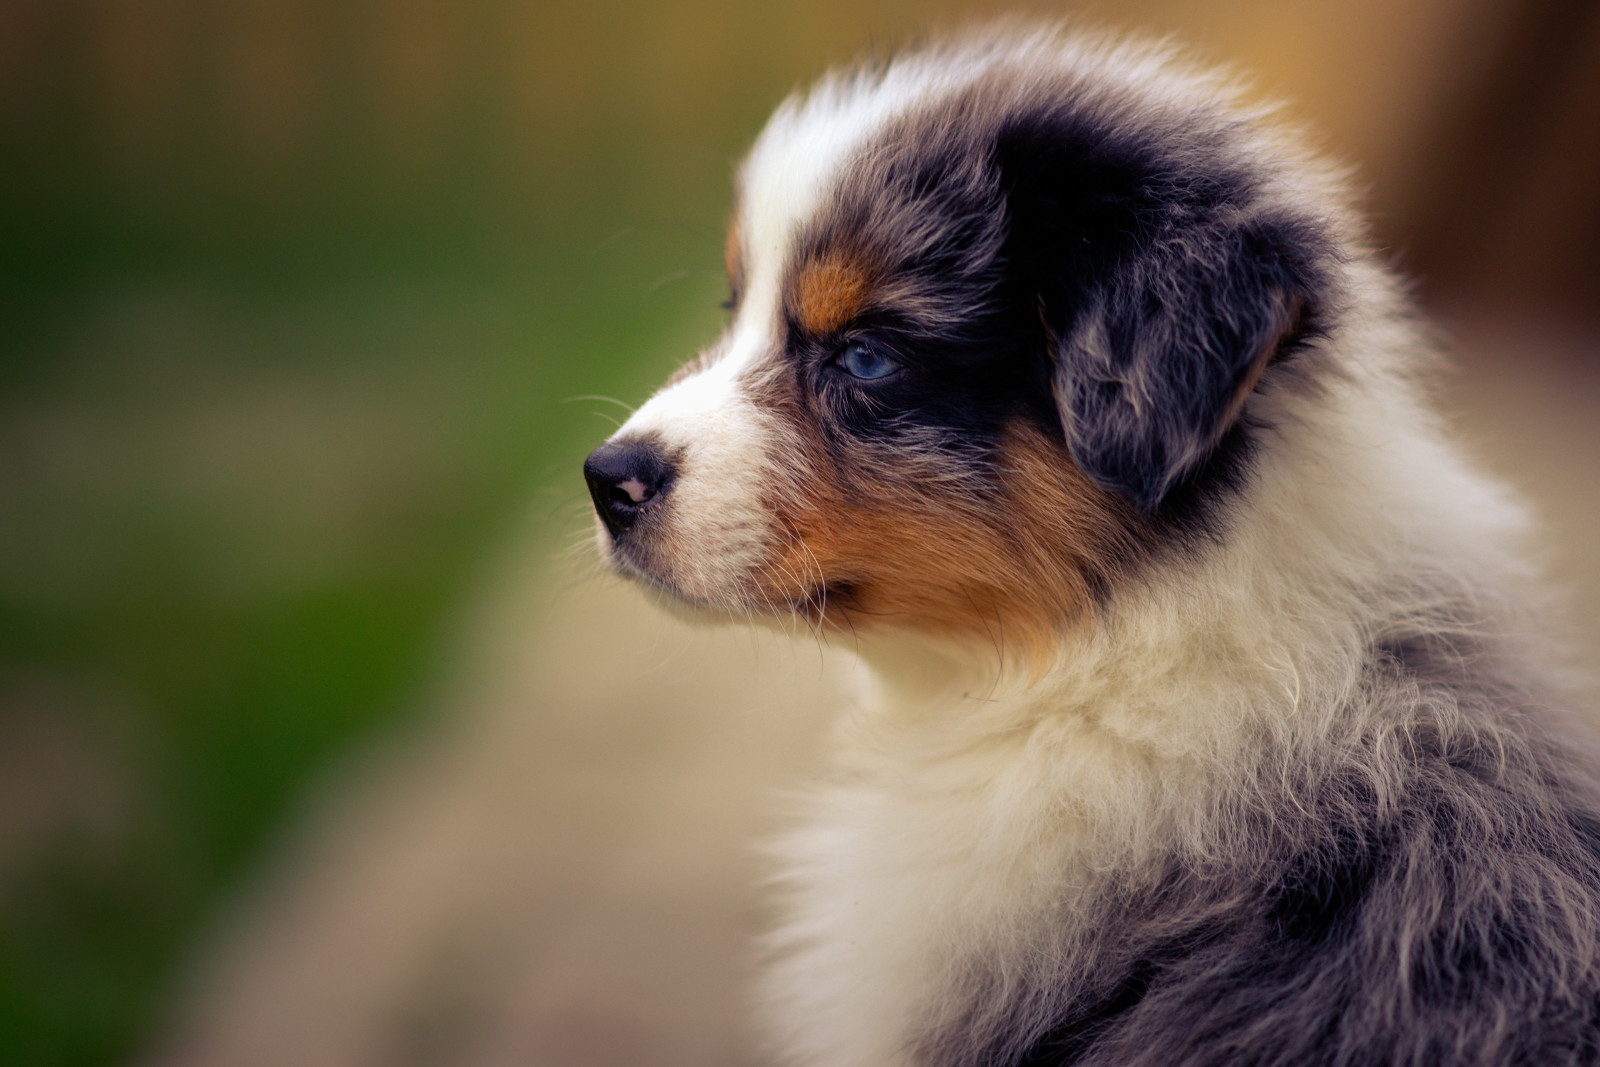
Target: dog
[1206,720]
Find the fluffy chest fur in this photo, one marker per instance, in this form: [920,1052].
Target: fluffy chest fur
[1202,724]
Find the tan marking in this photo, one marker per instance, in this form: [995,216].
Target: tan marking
[829,292]
[1014,570]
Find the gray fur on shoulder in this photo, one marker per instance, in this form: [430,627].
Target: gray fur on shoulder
[1425,892]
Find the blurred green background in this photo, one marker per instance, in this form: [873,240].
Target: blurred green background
[299,307]
[292,294]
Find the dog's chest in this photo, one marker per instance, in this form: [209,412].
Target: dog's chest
[899,888]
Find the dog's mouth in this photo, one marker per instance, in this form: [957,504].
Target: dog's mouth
[819,603]
[633,562]
[637,564]
[670,597]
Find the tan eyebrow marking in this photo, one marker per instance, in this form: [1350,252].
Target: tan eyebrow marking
[829,292]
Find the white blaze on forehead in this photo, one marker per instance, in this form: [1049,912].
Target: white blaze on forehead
[795,160]
[798,157]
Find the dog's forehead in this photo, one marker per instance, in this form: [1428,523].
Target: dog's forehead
[810,143]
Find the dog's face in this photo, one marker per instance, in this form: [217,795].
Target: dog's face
[996,317]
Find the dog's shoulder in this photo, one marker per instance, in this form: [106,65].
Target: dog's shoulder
[1427,891]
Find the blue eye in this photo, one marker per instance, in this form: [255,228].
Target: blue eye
[866,362]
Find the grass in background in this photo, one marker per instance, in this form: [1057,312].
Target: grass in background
[254,439]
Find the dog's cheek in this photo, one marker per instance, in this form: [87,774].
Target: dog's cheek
[1011,555]
[1073,541]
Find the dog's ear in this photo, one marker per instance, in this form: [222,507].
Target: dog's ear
[1163,297]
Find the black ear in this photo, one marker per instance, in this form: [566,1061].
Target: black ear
[1163,295]
[1162,355]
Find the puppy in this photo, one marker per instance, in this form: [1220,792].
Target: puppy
[1203,723]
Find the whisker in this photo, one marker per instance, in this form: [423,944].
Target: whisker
[677,276]
[624,405]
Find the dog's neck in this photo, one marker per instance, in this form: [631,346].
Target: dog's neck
[1255,640]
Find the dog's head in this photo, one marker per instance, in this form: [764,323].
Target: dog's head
[1000,316]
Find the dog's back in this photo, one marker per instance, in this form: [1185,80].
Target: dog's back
[1205,723]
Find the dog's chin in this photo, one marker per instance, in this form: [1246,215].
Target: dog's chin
[734,605]
[663,592]
[801,615]
[672,599]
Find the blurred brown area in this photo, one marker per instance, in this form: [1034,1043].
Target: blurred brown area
[1502,205]
[555,864]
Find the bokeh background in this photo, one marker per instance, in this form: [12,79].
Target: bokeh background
[319,743]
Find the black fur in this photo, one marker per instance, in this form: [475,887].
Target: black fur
[1042,251]
[1161,282]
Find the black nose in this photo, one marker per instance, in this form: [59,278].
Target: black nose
[626,478]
